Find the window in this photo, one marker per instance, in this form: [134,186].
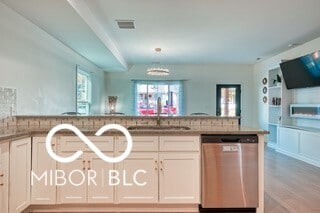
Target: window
[228,100]
[83,92]
[147,93]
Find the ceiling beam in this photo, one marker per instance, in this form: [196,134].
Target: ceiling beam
[85,13]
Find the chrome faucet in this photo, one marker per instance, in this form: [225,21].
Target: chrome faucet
[158,111]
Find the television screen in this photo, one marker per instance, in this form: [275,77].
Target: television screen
[302,72]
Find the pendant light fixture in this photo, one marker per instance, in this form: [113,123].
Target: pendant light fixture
[157,69]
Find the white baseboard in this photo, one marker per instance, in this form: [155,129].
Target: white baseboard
[299,157]
[112,208]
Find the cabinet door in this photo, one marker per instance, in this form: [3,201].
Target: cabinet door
[42,192]
[20,168]
[70,144]
[4,177]
[74,173]
[99,190]
[139,143]
[289,140]
[179,178]
[179,143]
[135,193]
[74,143]
[309,145]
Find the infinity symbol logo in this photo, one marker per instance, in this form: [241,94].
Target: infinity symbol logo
[89,143]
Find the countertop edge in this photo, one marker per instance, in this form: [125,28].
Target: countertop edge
[126,116]
[12,136]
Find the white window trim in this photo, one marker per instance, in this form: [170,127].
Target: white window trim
[89,86]
[148,82]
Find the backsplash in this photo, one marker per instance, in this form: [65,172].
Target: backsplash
[8,102]
[45,123]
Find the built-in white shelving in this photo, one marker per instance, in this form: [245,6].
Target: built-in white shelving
[276,106]
[279,100]
[275,88]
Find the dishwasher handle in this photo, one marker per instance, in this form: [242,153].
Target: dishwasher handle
[230,140]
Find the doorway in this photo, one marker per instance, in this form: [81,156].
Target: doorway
[228,100]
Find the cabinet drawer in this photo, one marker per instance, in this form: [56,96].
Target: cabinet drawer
[74,143]
[179,143]
[139,143]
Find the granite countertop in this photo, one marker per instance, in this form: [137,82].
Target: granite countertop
[238,130]
[126,116]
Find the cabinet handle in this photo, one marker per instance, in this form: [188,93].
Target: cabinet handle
[161,165]
[1,175]
[89,166]
[156,165]
[84,164]
[53,147]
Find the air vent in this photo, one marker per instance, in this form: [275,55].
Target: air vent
[126,24]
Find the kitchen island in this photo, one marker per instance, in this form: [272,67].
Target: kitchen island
[170,156]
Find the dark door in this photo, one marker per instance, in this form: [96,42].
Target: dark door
[228,100]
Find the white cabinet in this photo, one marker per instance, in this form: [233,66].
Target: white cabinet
[130,192]
[144,156]
[310,145]
[70,192]
[4,177]
[73,143]
[179,178]
[159,170]
[79,187]
[140,143]
[42,192]
[172,165]
[20,168]
[100,191]
[288,140]
[299,143]
[179,143]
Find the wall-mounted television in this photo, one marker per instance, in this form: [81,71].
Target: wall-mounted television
[302,72]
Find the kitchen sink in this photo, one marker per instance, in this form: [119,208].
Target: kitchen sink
[158,128]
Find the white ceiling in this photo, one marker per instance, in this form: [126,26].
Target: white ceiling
[188,31]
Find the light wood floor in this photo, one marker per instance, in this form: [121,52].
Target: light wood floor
[290,185]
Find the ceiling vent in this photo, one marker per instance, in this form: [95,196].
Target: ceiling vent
[126,24]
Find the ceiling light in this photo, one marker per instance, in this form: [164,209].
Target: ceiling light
[156,69]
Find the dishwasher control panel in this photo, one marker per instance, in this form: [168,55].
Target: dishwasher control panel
[229,139]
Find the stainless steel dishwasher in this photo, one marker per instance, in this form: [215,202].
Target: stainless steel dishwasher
[229,171]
